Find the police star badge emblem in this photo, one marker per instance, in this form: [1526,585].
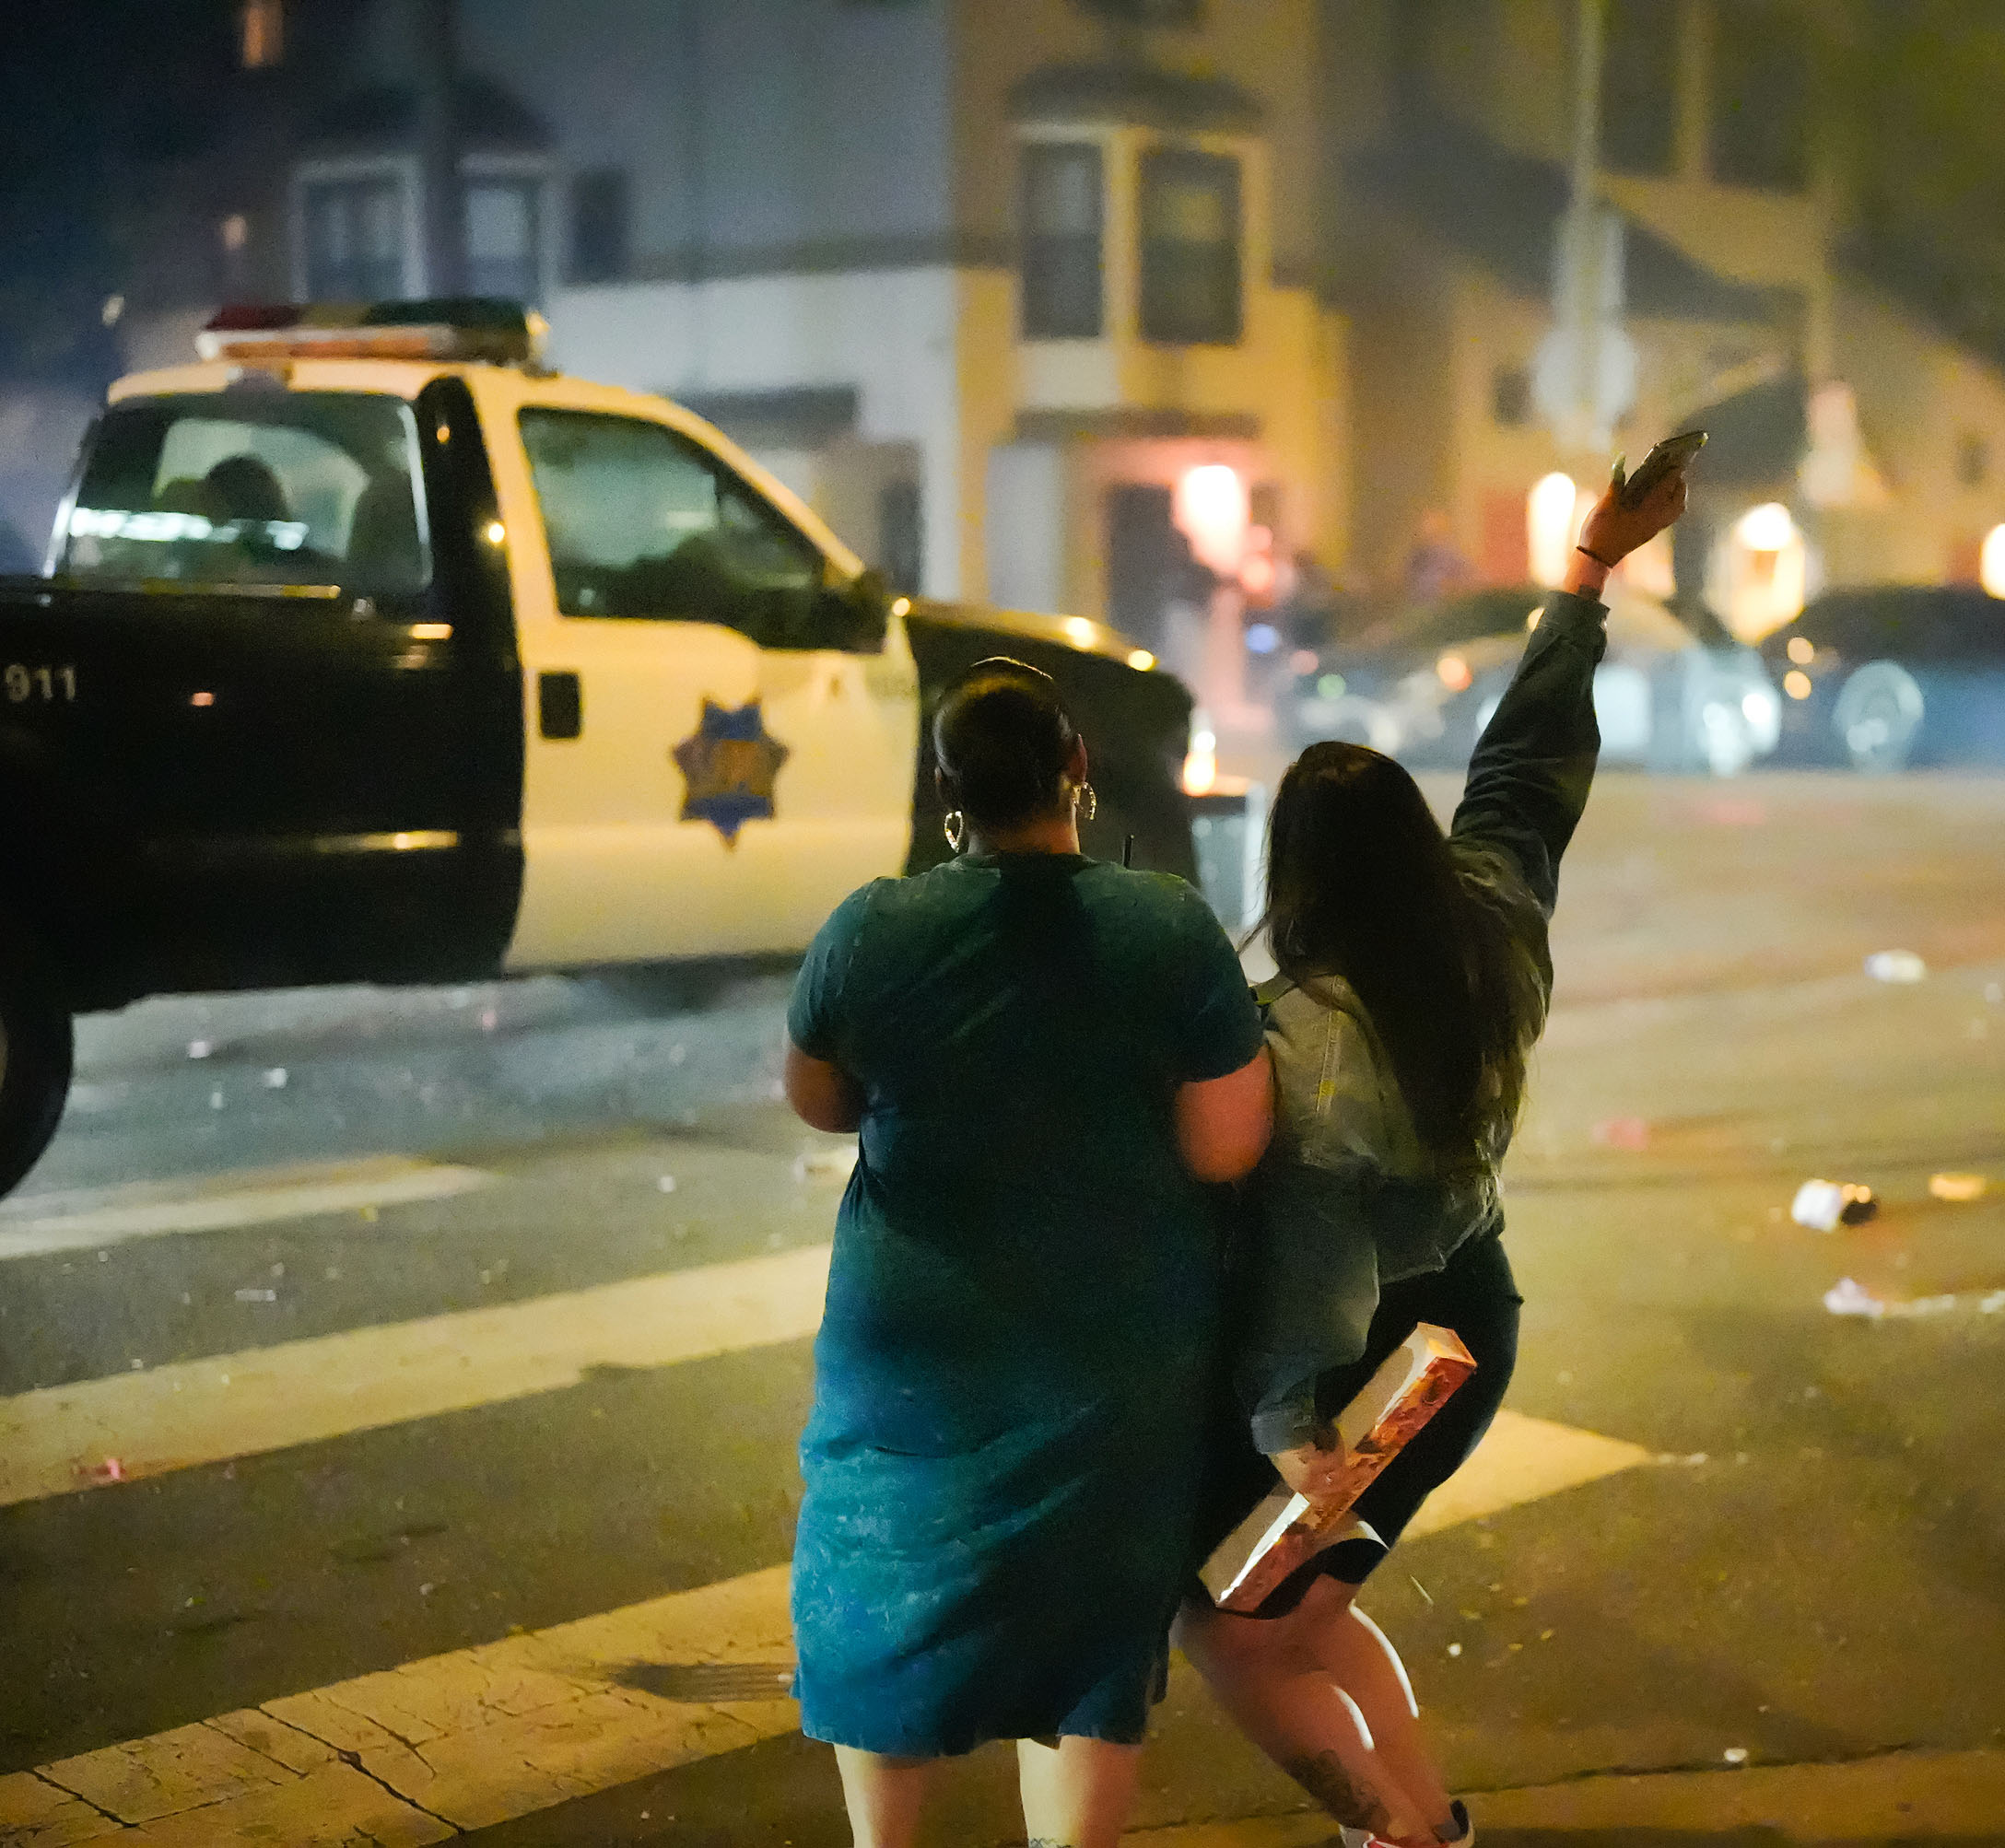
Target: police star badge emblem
[728,767]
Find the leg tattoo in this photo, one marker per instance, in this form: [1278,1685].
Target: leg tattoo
[1324,1777]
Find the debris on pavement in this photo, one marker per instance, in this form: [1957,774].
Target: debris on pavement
[1847,1297]
[666,1184]
[1956,1187]
[215,1100]
[198,1049]
[1735,1754]
[1895,965]
[257,1295]
[1623,1132]
[109,1471]
[276,1078]
[1824,1206]
[1992,1303]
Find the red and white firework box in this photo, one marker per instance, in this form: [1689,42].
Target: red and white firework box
[1287,1530]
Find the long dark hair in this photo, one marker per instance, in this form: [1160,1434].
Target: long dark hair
[1361,886]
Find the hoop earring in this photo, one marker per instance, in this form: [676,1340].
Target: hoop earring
[957,829]
[1086,802]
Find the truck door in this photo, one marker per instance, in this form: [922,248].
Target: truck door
[267,738]
[716,751]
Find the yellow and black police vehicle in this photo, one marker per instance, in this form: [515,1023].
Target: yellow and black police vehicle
[367,649]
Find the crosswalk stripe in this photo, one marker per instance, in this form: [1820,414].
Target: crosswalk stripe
[81,1220]
[56,1440]
[1523,1459]
[477,1737]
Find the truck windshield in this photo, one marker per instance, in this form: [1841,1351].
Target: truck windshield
[254,486]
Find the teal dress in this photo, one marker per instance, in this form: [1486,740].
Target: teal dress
[1002,1462]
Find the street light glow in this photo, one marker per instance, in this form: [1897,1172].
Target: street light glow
[1991,562]
[1549,526]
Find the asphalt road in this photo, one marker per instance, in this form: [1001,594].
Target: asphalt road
[455,1321]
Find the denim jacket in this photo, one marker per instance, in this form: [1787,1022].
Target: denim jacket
[1348,1198]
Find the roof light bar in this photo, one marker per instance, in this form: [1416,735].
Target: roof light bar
[446,328]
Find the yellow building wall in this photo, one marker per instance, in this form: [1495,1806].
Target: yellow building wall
[1920,397]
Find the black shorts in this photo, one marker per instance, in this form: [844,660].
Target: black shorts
[1476,1296]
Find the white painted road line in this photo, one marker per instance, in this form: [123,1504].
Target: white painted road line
[480,1736]
[54,1441]
[1523,1459]
[48,1222]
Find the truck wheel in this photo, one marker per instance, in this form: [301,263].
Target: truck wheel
[1878,718]
[37,1045]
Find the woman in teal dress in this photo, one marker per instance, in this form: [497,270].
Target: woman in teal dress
[1047,1057]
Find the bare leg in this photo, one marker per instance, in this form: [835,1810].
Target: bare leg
[885,1795]
[1322,1694]
[1076,1791]
[1362,1659]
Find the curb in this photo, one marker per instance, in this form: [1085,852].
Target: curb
[1905,1797]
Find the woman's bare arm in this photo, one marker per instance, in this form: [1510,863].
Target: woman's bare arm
[824,1096]
[1223,1124]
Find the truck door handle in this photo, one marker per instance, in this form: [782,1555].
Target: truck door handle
[560,705]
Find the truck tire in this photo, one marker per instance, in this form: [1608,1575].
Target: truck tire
[36,1046]
[1878,718]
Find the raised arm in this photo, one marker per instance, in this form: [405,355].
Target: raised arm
[1529,779]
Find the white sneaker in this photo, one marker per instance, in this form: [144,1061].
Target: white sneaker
[1465,1838]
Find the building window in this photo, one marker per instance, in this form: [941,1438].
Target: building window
[502,239]
[1063,217]
[1190,291]
[355,239]
[1639,87]
[601,218]
[1761,100]
[262,34]
[1510,396]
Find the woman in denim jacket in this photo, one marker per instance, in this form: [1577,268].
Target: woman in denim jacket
[1415,980]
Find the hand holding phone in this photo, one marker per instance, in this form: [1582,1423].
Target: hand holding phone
[1673,452]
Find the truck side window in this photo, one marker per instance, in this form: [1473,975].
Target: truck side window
[266,487]
[643,524]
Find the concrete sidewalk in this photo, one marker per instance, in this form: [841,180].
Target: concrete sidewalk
[1919,1796]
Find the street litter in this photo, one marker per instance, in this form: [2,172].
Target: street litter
[1623,1132]
[1847,1297]
[1735,1754]
[1895,965]
[257,1295]
[1824,1206]
[274,1080]
[215,1100]
[198,1049]
[1992,1303]
[665,1185]
[1956,1187]
[109,1471]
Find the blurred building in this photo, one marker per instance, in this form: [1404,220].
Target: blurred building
[1112,305]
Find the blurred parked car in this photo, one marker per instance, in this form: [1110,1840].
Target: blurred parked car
[1893,675]
[1675,692]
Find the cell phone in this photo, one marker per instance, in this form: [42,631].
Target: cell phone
[1672,453]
